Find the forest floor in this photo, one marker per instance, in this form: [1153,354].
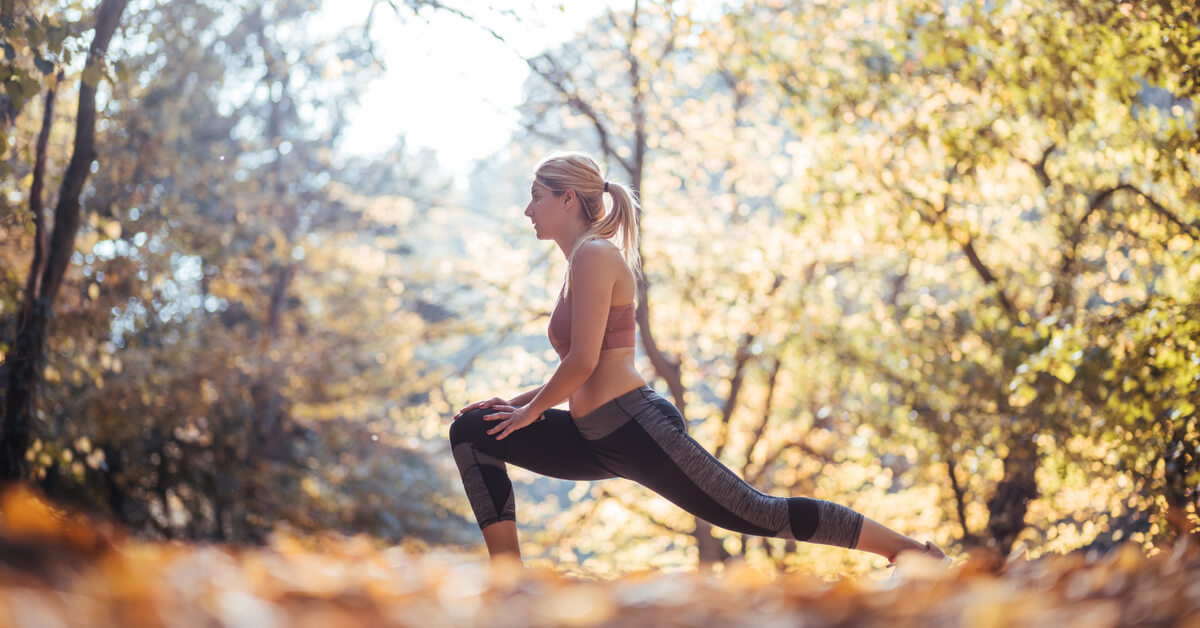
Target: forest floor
[62,570]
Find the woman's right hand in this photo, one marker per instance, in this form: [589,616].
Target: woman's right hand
[489,403]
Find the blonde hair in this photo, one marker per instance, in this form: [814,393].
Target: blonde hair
[562,171]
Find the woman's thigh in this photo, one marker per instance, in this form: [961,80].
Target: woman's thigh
[649,444]
[552,447]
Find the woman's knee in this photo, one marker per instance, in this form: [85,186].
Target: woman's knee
[469,427]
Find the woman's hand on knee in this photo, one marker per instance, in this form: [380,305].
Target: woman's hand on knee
[494,402]
[511,420]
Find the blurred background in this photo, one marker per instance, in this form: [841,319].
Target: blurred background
[932,260]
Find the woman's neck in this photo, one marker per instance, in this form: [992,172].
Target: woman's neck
[567,241]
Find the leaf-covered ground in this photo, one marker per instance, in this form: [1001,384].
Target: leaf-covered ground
[61,570]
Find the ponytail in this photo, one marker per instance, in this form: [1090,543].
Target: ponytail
[620,225]
[560,172]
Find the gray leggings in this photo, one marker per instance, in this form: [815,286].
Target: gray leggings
[639,436]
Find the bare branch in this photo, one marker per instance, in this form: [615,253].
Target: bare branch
[1040,167]
[772,378]
[1061,290]
[536,132]
[559,79]
[959,496]
[741,357]
[33,282]
[936,217]
[555,76]
[639,97]
[798,445]
[1191,229]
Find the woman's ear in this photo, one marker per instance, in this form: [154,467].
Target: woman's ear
[567,196]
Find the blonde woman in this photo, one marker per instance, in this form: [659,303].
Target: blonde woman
[616,425]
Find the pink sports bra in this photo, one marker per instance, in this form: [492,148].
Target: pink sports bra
[618,332]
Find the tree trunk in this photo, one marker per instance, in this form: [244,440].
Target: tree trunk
[29,337]
[1178,469]
[960,499]
[8,113]
[1007,507]
[710,548]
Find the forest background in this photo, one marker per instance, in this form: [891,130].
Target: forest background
[932,260]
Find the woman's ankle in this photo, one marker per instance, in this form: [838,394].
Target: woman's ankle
[498,558]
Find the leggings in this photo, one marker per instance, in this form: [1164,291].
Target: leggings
[639,436]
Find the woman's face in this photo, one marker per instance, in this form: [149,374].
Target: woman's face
[545,210]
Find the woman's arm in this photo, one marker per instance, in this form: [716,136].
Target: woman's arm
[526,396]
[592,279]
[593,274]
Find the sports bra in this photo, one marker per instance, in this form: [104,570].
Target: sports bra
[618,332]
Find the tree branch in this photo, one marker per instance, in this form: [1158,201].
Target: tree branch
[799,445]
[1191,229]
[558,79]
[1039,167]
[639,96]
[959,497]
[772,378]
[66,214]
[741,357]
[1061,291]
[967,243]
[555,76]
[33,283]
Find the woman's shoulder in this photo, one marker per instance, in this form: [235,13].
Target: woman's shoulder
[598,251]
[597,257]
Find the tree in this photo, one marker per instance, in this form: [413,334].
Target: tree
[981,122]
[236,349]
[51,255]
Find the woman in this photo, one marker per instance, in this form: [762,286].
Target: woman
[617,426]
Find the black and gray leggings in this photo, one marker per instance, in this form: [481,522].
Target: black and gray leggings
[639,436]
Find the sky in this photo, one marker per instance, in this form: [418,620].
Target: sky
[449,84]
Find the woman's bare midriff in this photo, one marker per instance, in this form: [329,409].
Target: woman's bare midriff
[615,375]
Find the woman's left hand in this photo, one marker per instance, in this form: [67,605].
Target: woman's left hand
[510,421]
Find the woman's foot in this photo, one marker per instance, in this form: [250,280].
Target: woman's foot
[931,551]
[934,552]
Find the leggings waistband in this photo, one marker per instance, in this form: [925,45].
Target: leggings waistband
[623,400]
